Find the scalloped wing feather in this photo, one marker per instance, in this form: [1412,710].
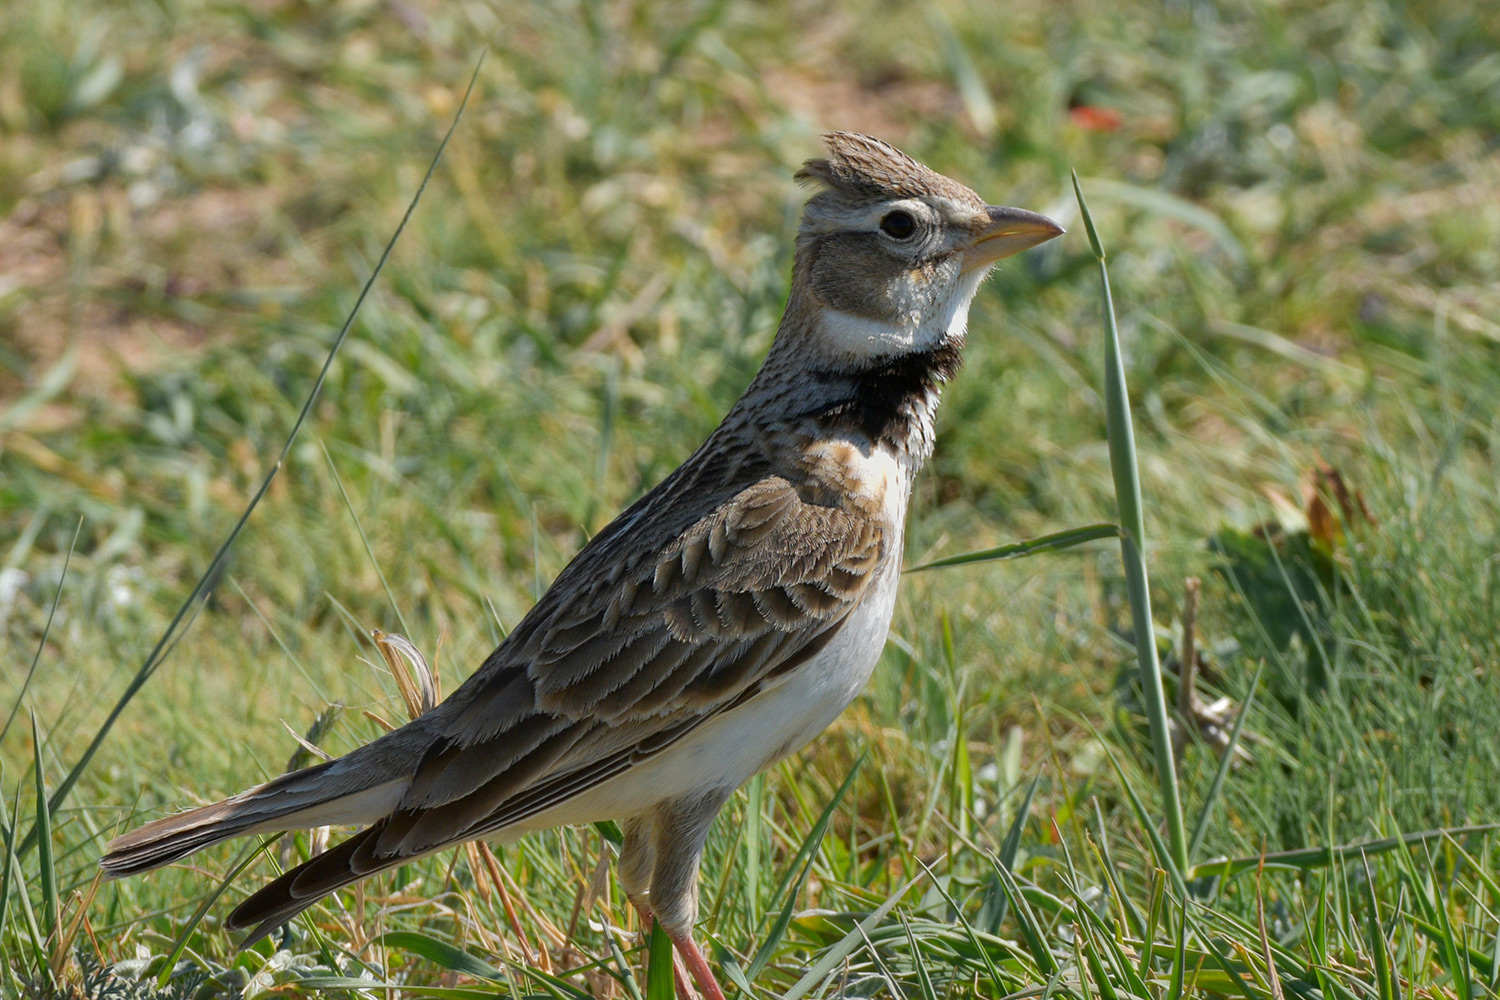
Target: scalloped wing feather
[592,687]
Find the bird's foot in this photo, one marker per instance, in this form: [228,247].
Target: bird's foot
[680,976]
[697,965]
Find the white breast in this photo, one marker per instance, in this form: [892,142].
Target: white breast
[731,748]
[809,698]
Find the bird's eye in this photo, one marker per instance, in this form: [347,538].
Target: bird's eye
[898,225]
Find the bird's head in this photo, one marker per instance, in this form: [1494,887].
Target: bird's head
[890,253]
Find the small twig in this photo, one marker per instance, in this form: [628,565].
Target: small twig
[1272,976]
[308,747]
[378,720]
[492,864]
[590,893]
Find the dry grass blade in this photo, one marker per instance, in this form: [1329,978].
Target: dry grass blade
[414,678]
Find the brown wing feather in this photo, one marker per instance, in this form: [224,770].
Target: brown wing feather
[582,691]
[677,636]
[674,640]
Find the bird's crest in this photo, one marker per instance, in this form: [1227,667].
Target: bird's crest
[864,167]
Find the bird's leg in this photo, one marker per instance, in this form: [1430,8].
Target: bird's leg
[644,910]
[688,951]
[635,877]
[634,867]
[680,977]
[678,831]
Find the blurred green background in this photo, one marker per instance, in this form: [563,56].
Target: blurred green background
[1302,206]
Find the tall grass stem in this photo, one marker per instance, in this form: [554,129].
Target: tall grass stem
[1123,466]
[204,585]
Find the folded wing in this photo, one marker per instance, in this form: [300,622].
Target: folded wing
[610,670]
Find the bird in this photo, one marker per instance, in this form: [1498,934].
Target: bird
[718,624]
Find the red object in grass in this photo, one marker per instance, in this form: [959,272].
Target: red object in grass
[1092,118]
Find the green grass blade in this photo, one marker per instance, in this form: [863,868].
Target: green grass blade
[8,830]
[1100,942]
[1379,945]
[610,831]
[919,963]
[17,878]
[556,985]
[755,798]
[1456,951]
[1132,916]
[968,929]
[846,945]
[1492,963]
[661,983]
[1095,965]
[200,589]
[1054,542]
[1231,976]
[1143,817]
[1154,910]
[46,631]
[801,865]
[622,964]
[1322,857]
[1317,938]
[1010,848]
[1123,465]
[46,863]
[736,974]
[180,945]
[1211,797]
[1459,951]
[440,953]
[1179,956]
[1049,989]
[1036,938]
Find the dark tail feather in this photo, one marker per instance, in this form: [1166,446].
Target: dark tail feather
[273,905]
[310,797]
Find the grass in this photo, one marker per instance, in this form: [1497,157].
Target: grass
[1300,205]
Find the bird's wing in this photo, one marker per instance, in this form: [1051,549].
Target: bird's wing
[617,669]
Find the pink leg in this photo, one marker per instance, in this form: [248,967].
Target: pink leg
[698,966]
[679,973]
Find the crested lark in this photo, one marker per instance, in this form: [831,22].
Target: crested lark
[719,623]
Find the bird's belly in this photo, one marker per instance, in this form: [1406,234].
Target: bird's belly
[809,698]
[728,750]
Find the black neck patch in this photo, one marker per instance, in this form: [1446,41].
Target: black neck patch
[884,402]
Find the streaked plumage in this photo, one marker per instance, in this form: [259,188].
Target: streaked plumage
[715,626]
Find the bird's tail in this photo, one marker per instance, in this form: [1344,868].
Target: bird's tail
[273,905]
[338,791]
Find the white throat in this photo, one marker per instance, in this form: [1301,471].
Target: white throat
[922,327]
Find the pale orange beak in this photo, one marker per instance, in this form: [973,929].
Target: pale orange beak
[1010,230]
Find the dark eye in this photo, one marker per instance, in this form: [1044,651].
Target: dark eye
[898,225]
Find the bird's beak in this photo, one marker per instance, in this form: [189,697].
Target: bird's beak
[1009,231]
